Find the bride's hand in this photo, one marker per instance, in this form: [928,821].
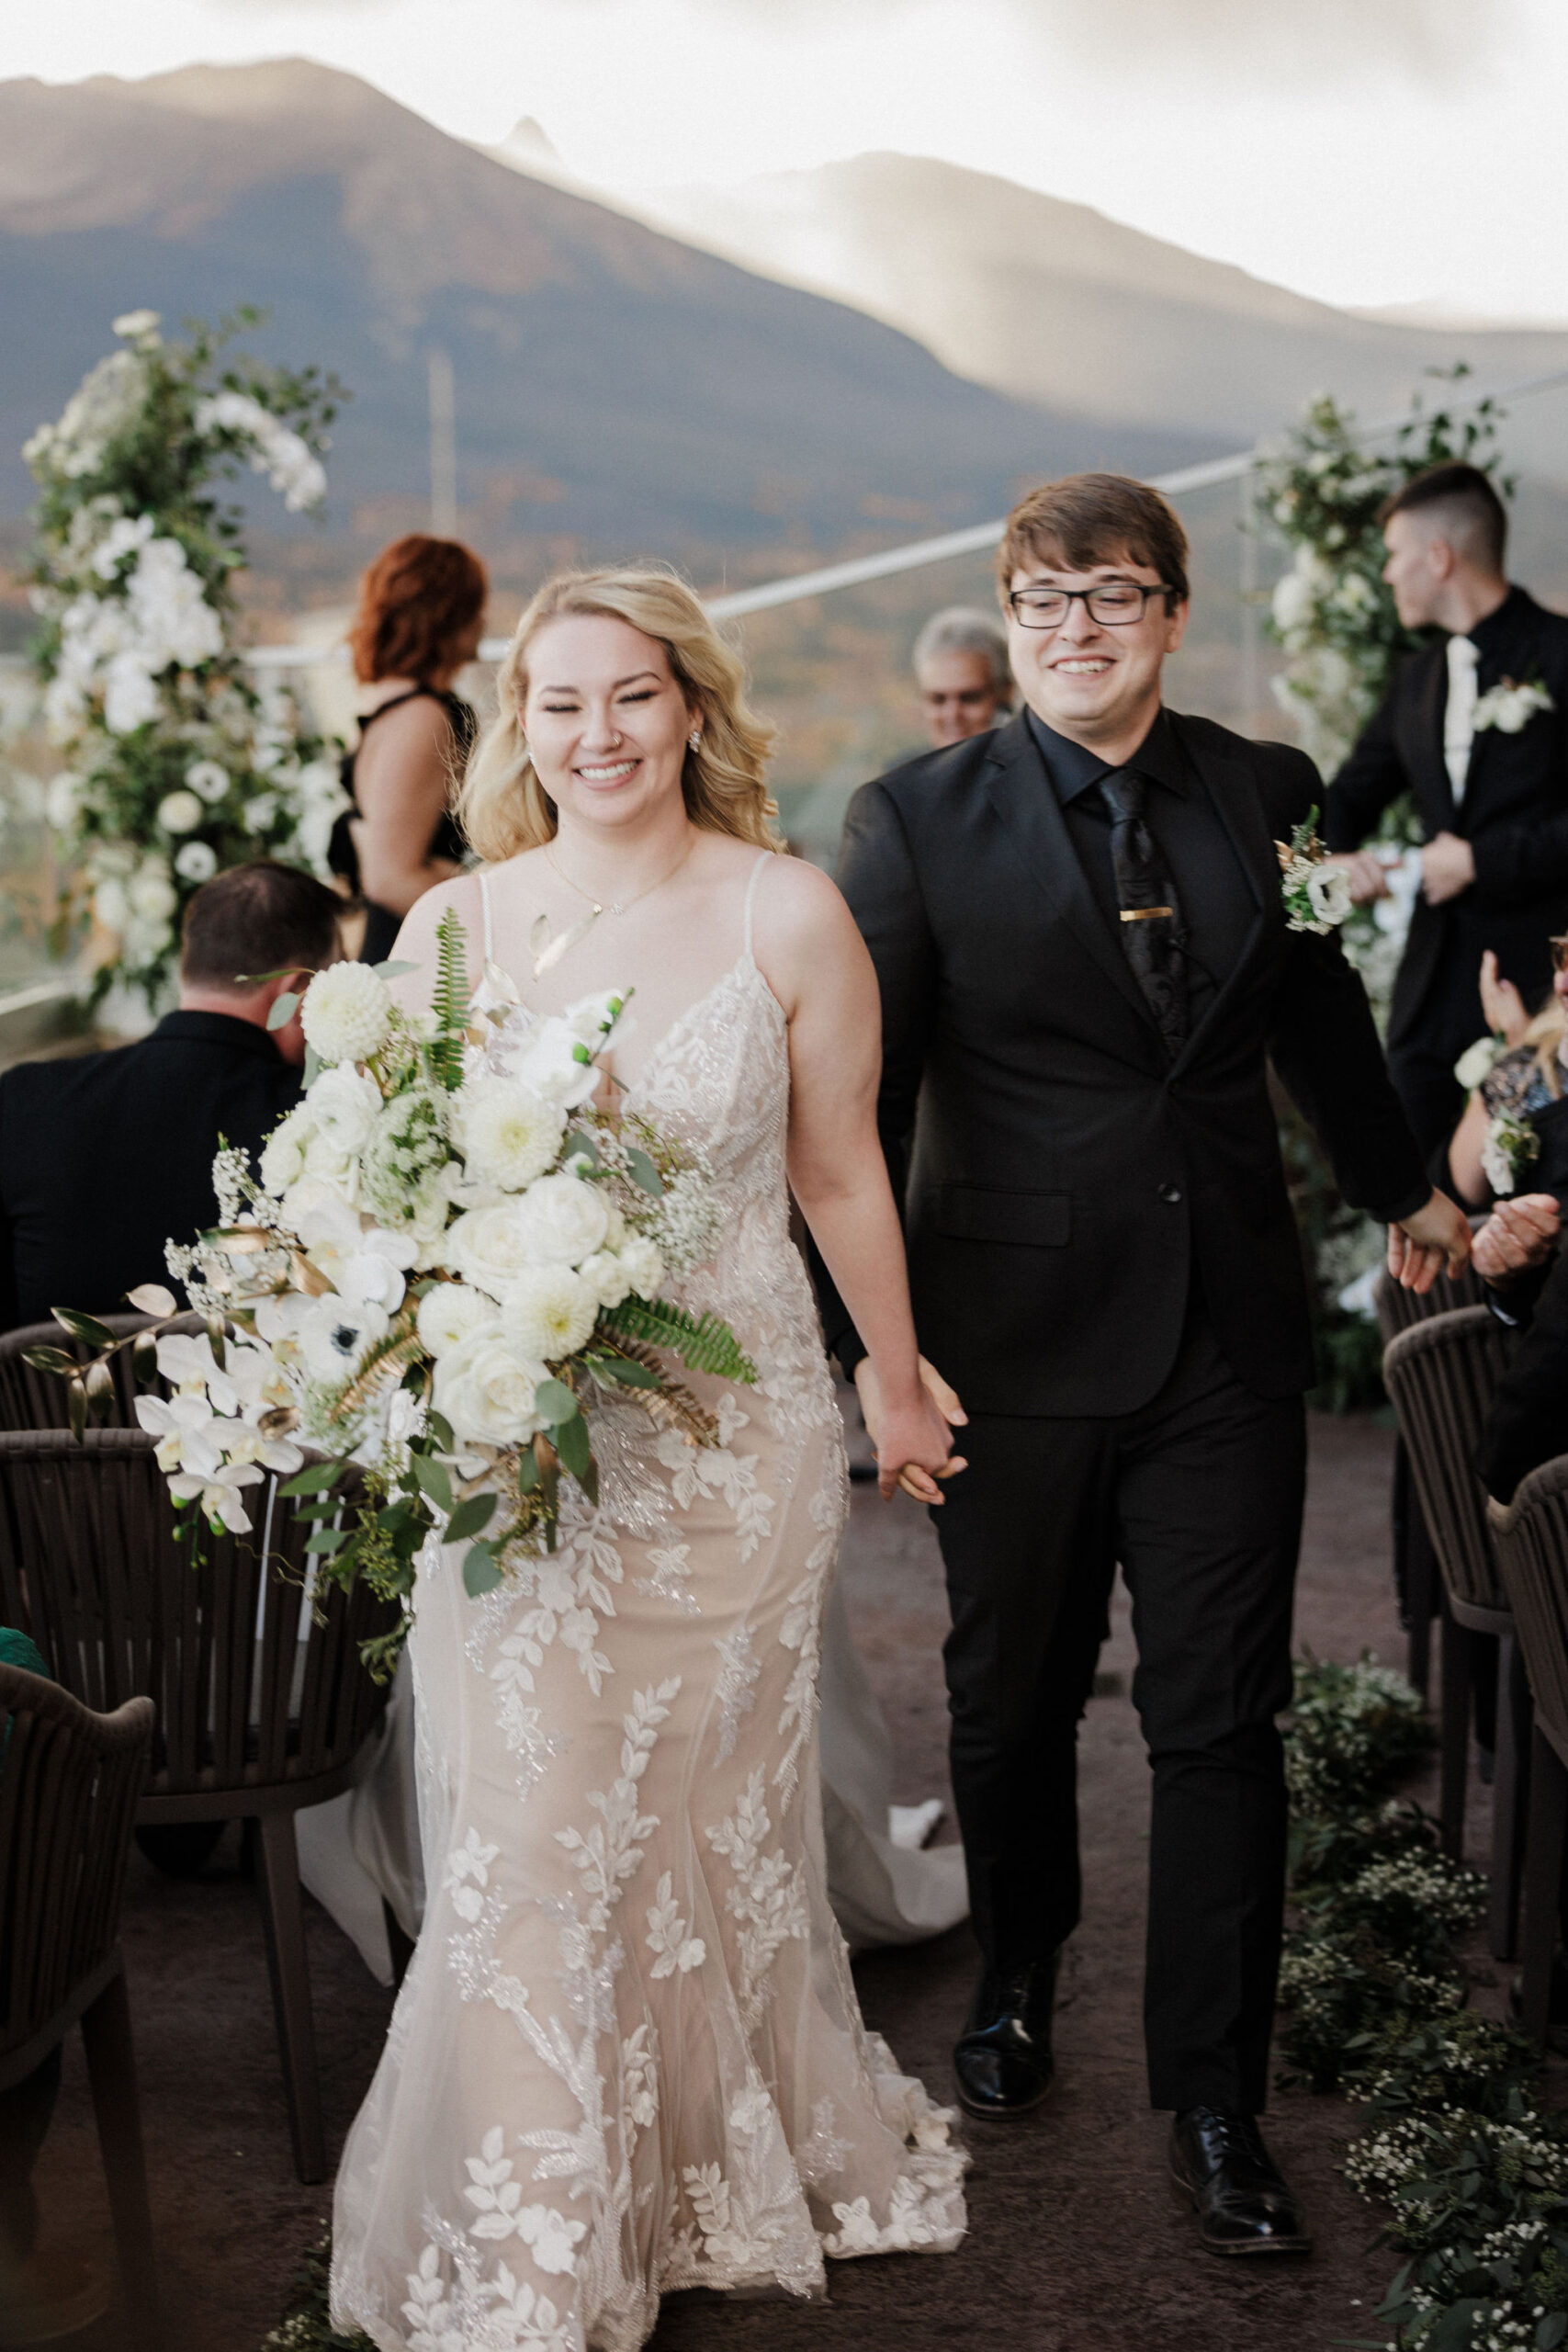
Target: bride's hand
[914,1444]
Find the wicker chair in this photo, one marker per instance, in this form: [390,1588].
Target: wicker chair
[35,1400]
[69,1784]
[1416,1575]
[1532,1538]
[1441,1373]
[263,1702]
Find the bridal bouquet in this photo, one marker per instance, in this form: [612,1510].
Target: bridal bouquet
[450,1258]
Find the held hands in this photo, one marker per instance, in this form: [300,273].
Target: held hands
[1419,1247]
[1519,1233]
[913,1438]
[1502,1006]
[1448,867]
[1363,870]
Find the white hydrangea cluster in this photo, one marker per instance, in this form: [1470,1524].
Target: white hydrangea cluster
[287,461]
[115,647]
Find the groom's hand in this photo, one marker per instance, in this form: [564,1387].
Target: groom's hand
[1420,1247]
[939,1409]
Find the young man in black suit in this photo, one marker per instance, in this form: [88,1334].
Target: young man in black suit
[1085,966]
[105,1158]
[1489,783]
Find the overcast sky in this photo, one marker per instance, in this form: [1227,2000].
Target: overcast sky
[1362,150]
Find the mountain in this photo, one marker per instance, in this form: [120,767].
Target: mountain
[615,389]
[1053,302]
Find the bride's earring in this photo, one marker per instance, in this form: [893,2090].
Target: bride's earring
[695,738]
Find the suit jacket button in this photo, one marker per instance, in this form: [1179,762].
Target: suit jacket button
[1170,1194]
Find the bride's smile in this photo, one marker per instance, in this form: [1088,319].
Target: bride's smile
[608,726]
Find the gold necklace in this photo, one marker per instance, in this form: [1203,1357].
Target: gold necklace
[547,950]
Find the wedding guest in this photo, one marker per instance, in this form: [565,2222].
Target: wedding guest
[1514,1128]
[104,1157]
[961,669]
[1473,727]
[421,614]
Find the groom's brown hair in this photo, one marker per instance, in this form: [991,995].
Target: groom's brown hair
[1089,519]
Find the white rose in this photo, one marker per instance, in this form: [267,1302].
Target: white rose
[347,1013]
[179,812]
[345,1104]
[562,1219]
[317,1213]
[643,1266]
[488,1247]
[197,862]
[208,780]
[452,1312]
[1328,887]
[283,1153]
[337,1336]
[550,1312]
[485,1386]
[1476,1063]
[150,893]
[508,1134]
[606,1277]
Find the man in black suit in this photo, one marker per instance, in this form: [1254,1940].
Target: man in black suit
[105,1158]
[1085,964]
[1489,783]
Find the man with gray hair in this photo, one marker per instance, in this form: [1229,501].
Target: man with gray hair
[961,668]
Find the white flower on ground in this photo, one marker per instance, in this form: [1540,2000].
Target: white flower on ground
[485,1386]
[179,812]
[337,1337]
[606,1277]
[1328,887]
[643,1265]
[550,1312]
[347,1013]
[562,1220]
[208,780]
[450,1313]
[197,862]
[343,1104]
[507,1134]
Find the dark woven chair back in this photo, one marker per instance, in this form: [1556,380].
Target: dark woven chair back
[1398,1309]
[1531,1540]
[36,1400]
[257,1681]
[70,1780]
[1442,1374]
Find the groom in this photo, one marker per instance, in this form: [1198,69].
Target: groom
[1086,970]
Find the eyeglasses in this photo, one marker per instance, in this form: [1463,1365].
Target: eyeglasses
[1559,953]
[1117,604]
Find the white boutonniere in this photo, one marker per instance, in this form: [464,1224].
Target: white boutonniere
[1509,707]
[1316,896]
[1477,1062]
[1510,1144]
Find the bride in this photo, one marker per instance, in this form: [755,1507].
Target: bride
[628,2056]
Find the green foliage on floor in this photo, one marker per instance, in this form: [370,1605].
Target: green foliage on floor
[1473,2174]
[307,2325]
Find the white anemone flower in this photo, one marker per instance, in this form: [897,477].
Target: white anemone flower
[347,1013]
[337,1337]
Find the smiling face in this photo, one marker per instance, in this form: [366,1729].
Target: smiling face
[1097,683]
[605,721]
[960,693]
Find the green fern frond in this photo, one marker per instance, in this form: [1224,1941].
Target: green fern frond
[703,1343]
[451,1002]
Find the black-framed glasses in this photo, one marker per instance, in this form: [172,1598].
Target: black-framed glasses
[1116,605]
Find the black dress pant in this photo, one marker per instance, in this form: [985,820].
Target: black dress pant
[1199,1496]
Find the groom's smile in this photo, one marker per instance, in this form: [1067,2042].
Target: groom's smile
[1091,670]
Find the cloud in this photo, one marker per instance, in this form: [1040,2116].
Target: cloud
[1434,42]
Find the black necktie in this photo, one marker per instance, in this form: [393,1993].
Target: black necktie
[1150,918]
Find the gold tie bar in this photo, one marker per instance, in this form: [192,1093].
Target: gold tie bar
[1143,914]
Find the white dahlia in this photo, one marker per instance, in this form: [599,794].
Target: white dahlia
[347,1013]
[549,1313]
[508,1133]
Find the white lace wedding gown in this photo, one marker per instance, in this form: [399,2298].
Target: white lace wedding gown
[628,2056]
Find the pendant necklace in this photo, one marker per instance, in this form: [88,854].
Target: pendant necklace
[547,951]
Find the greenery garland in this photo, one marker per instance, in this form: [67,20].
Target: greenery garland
[177,764]
[1375,2001]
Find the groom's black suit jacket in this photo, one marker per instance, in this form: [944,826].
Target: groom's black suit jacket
[1064,1179]
[1514,815]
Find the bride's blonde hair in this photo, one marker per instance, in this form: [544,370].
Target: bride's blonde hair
[504,808]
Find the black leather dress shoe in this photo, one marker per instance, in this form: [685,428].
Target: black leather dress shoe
[1219,2162]
[1003,2057]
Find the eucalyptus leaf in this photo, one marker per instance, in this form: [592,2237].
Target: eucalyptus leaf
[392,970]
[470,1517]
[580,1147]
[528,1471]
[480,1574]
[555,1403]
[628,1371]
[435,1479]
[313,1480]
[327,1538]
[282,1009]
[574,1445]
[642,1171]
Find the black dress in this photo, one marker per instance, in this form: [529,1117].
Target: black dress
[381,925]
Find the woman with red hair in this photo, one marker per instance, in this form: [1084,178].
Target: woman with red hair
[420,614]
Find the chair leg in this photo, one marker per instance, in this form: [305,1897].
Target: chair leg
[1510,1796]
[111,2071]
[1421,1596]
[1454,1725]
[400,1946]
[283,1918]
[1543,1880]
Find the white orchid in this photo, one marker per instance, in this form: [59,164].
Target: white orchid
[221,1495]
[186,1429]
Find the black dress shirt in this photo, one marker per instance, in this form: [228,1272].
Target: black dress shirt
[107,1156]
[1211,888]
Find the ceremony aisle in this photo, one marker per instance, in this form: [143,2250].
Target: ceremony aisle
[1076,2244]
